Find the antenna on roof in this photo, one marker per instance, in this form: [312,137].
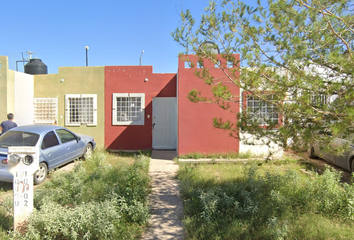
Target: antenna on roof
[30,54]
[23,59]
[209,47]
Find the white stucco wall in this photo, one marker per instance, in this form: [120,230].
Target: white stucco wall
[24,93]
[258,148]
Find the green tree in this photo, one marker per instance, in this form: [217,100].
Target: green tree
[296,57]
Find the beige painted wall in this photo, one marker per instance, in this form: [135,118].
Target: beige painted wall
[75,80]
[4,66]
[7,88]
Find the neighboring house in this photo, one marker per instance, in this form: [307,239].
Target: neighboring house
[74,98]
[124,107]
[260,109]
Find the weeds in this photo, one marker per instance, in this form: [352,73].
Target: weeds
[229,155]
[261,202]
[96,200]
[197,155]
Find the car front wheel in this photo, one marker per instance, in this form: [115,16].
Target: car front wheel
[41,174]
[352,165]
[88,151]
[311,152]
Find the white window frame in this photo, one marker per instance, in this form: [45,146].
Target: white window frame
[260,109]
[67,109]
[45,110]
[115,121]
[319,100]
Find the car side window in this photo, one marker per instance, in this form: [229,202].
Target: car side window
[65,136]
[49,140]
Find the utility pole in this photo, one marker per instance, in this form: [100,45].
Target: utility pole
[141,56]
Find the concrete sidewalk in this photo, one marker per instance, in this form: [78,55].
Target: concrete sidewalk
[165,202]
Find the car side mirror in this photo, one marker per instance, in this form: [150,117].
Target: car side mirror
[78,138]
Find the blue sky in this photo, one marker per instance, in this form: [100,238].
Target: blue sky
[115,31]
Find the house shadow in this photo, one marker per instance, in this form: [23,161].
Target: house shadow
[163,154]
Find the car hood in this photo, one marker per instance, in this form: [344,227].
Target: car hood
[85,138]
[3,151]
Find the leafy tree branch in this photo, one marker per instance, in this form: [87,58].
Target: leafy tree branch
[299,51]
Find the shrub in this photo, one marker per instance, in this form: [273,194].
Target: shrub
[265,204]
[95,200]
[94,220]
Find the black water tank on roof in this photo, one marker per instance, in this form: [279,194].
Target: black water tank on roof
[209,46]
[36,66]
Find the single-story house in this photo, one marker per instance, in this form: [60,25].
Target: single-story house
[123,107]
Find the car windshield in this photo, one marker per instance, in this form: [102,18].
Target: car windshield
[18,138]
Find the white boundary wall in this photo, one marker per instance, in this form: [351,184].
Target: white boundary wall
[24,93]
[258,148]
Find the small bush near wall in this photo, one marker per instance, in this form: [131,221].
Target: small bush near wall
[96,200]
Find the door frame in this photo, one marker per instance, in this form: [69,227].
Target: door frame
[154,100]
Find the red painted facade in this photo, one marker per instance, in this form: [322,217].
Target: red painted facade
[196,133]
[131,79]
[195,120]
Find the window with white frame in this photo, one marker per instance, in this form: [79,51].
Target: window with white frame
[318,100]
[263,111]
[45,110]
[80,109]
[128,109]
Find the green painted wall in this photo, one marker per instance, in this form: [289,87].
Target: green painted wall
[76,80]
[7,88]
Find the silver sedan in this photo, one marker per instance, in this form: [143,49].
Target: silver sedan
[339,151]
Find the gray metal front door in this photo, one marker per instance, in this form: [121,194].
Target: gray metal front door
[164,121]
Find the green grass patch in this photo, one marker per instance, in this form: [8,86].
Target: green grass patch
[104,197]
[259,200]
[131,154]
